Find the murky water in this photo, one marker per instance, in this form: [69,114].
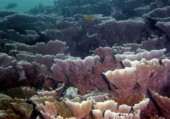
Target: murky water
[24,5]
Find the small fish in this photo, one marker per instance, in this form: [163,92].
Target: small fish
[89,17]
[56,30]
[11,6]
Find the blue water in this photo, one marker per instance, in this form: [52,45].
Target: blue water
[24,5]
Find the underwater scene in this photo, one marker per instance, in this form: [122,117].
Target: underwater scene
[84,59]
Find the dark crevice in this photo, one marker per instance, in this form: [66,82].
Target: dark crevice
[107,82]
[154,102]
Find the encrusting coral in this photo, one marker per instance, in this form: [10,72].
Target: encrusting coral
[147,55]
[138,76]
[49,48]
[80,110]
[100,86]
[88,109]
[112,109]
[162,103]
[78,72]
[48,110]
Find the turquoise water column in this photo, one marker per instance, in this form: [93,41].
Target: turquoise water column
[24,5]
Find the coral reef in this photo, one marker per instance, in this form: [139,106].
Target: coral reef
[113,92]
[86,59]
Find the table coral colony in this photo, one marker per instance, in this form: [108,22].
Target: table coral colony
[87,59]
